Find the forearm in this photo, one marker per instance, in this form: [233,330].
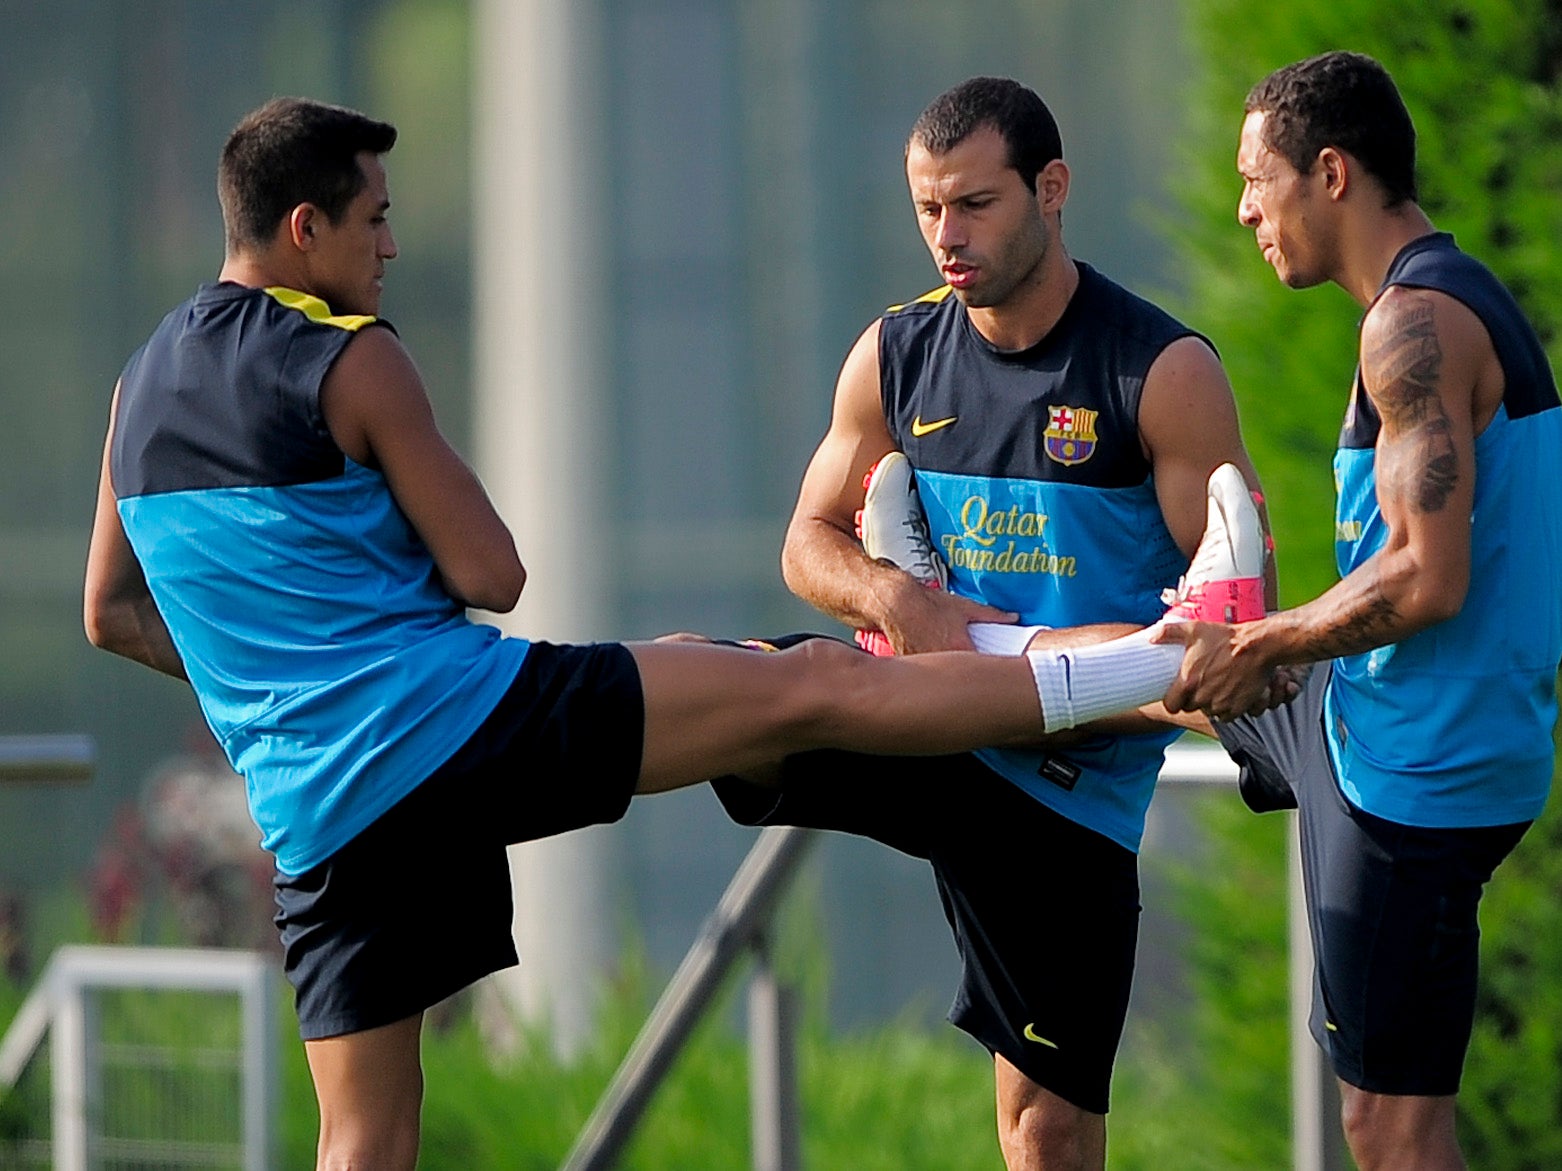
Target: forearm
[826,567]
[1386,599]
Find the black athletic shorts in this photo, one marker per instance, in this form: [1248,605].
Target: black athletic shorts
[418,905]
[1391,907]
[1045,913]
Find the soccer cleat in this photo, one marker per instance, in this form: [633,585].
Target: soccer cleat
[893,528]
[1225,582]
[891,525]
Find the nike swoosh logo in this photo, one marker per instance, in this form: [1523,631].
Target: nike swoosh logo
[919,428]
[1032,1035]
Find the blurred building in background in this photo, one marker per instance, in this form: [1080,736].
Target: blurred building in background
[746,177]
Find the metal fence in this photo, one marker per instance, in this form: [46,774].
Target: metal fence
[148,1064]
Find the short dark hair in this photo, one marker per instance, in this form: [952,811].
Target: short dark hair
[292,151]
[1016,112]
[1347,101]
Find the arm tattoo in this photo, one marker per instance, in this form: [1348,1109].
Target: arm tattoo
[1416,449]
[1368,625]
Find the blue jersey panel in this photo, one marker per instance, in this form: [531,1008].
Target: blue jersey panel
[1062,554]
[336,674]
[1056,554]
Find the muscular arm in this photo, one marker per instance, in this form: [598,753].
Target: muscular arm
[1422,358]
[117,608]
[1188,425]
[377,409]
[821,559]
[1419,367]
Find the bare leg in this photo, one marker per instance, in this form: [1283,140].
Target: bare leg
[712,710]
[1039,1131]
[370,1089]
[1400,1132]
[1045,638]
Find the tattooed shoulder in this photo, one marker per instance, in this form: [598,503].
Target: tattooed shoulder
[1401,365]
[1401,358]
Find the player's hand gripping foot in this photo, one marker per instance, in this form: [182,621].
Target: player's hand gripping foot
[893,528]
[1225,582]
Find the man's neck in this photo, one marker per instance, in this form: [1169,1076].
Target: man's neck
[1374,243]
[1034,308]
[255,271]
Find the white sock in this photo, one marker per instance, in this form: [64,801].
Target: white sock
[1083,683]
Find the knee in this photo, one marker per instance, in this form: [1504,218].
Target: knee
[1367,1127]
[1034,1136]
[823,683]
[1356,1121]
[384,1139]
[1392,1131]
[392,1148]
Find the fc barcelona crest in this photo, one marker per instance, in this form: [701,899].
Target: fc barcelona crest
[1071,434]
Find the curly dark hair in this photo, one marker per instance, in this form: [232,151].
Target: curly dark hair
[1347,101]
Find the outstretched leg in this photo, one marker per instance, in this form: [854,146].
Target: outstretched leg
[711,710]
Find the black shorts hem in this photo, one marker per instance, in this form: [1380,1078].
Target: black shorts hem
[1402,1083]
[339,1024]
[1053,1079]
[992,847]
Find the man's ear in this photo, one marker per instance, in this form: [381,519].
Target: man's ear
[1337,170]
[301,223]
[1052,186]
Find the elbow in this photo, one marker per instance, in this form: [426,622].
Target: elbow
[798,557]
[496,590]
[799,574]
[507,592]
[95,611]
[1442,606]
[1447,592]
[1437,600]
[97,630]
[790,567]
[105,625]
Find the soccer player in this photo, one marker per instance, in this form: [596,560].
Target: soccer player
[280,522]
[1422,748]
[1061,431]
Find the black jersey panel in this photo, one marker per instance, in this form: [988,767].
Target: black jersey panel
[1064,410]
[1436,262]
[225,394]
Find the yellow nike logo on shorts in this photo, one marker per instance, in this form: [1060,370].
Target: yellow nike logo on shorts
[1032,1035]
[919,428]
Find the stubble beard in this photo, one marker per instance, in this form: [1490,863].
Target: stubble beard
[1009,279]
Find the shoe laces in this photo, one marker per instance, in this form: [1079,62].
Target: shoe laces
[925,559]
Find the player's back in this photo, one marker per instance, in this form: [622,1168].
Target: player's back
[308,613]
